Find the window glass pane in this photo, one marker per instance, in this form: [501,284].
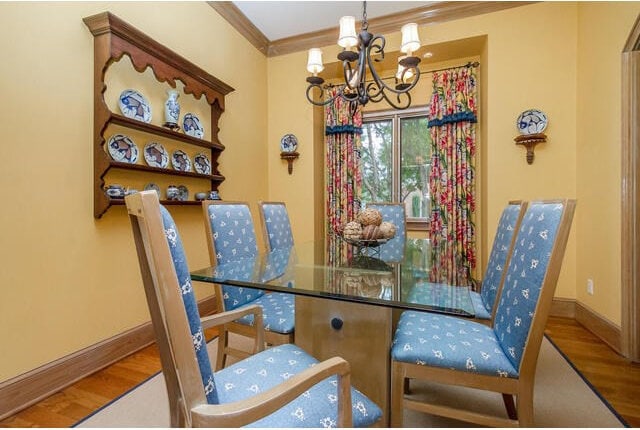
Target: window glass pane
[377,144]
[415,157]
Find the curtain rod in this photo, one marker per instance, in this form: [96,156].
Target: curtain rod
[469,64]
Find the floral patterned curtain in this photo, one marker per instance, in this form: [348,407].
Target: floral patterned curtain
[452,120]
[344,178]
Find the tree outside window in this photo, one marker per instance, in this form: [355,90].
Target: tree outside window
[396,154]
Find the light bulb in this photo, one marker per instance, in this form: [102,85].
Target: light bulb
[401,69]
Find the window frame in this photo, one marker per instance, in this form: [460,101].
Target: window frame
[413,224]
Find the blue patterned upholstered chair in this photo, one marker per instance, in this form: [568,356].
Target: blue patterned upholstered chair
[279,387]
[501,357]
[393,250]
[276,225]
[231,237]
[482,304]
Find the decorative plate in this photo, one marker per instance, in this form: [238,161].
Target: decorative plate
[288,143]
[531,121]
[181,161]
[192,126]
[122,149]
[152,186]
[202,164]
[134,105]
[183,193]
[155,155]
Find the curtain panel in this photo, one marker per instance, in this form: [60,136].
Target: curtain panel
[344,178]
[452,124]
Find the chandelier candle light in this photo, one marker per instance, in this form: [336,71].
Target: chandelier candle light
[369,48]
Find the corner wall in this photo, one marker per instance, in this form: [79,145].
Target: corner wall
[70,281]
[603,29]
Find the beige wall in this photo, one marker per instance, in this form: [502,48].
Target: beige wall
[603,31]
[67,280]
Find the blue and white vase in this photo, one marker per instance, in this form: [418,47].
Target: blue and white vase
[172,109]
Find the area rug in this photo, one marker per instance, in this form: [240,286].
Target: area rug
[562,399]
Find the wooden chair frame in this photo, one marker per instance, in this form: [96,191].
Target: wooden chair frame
[520,412]
[187,400]
[263,223]
[271,338]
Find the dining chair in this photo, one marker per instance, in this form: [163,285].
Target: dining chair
[278,387]
[231,237]
[501,357]
[276,225]
[393,250]
[482,303]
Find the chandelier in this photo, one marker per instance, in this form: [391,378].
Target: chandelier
[360,52]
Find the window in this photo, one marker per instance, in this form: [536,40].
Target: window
[396,154]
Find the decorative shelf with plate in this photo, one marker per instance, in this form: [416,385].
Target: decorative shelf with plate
[531,124]
[114,38]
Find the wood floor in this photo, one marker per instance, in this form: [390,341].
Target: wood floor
[616,379]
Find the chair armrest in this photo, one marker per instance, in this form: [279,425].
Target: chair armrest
[226,317]
[246,411]
[230,316]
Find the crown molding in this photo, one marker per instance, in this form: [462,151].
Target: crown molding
[240,22]
[438,12]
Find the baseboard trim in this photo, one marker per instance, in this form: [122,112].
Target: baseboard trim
[610,333]
[564,308]
[29,388]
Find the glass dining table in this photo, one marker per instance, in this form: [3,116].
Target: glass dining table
[361,278]
[348,309]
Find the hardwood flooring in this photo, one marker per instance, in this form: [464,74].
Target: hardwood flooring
[615,378]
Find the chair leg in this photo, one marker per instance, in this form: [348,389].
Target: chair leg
[524,402]
[223,344]
[407,386]
[510,406]
[397,394]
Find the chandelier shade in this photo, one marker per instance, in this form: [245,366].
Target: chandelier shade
[314,63]
[348,37]
[362,82]
[410,38]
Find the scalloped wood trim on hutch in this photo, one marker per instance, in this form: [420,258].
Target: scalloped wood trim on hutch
[114,38]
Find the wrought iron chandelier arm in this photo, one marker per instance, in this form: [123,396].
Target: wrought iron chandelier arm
[321,103]
[380,81]
[370,49]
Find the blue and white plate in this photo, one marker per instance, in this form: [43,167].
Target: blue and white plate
[181,161]
[155,155]
[134,105]
[202,164]
[531,121]
[192,126]
[152,186]
[121,148]
[288,143]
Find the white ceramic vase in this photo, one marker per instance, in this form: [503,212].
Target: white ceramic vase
[172,108]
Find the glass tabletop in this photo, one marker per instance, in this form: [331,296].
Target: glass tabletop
[360,278]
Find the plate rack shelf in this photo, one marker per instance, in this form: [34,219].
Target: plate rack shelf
[114,38]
